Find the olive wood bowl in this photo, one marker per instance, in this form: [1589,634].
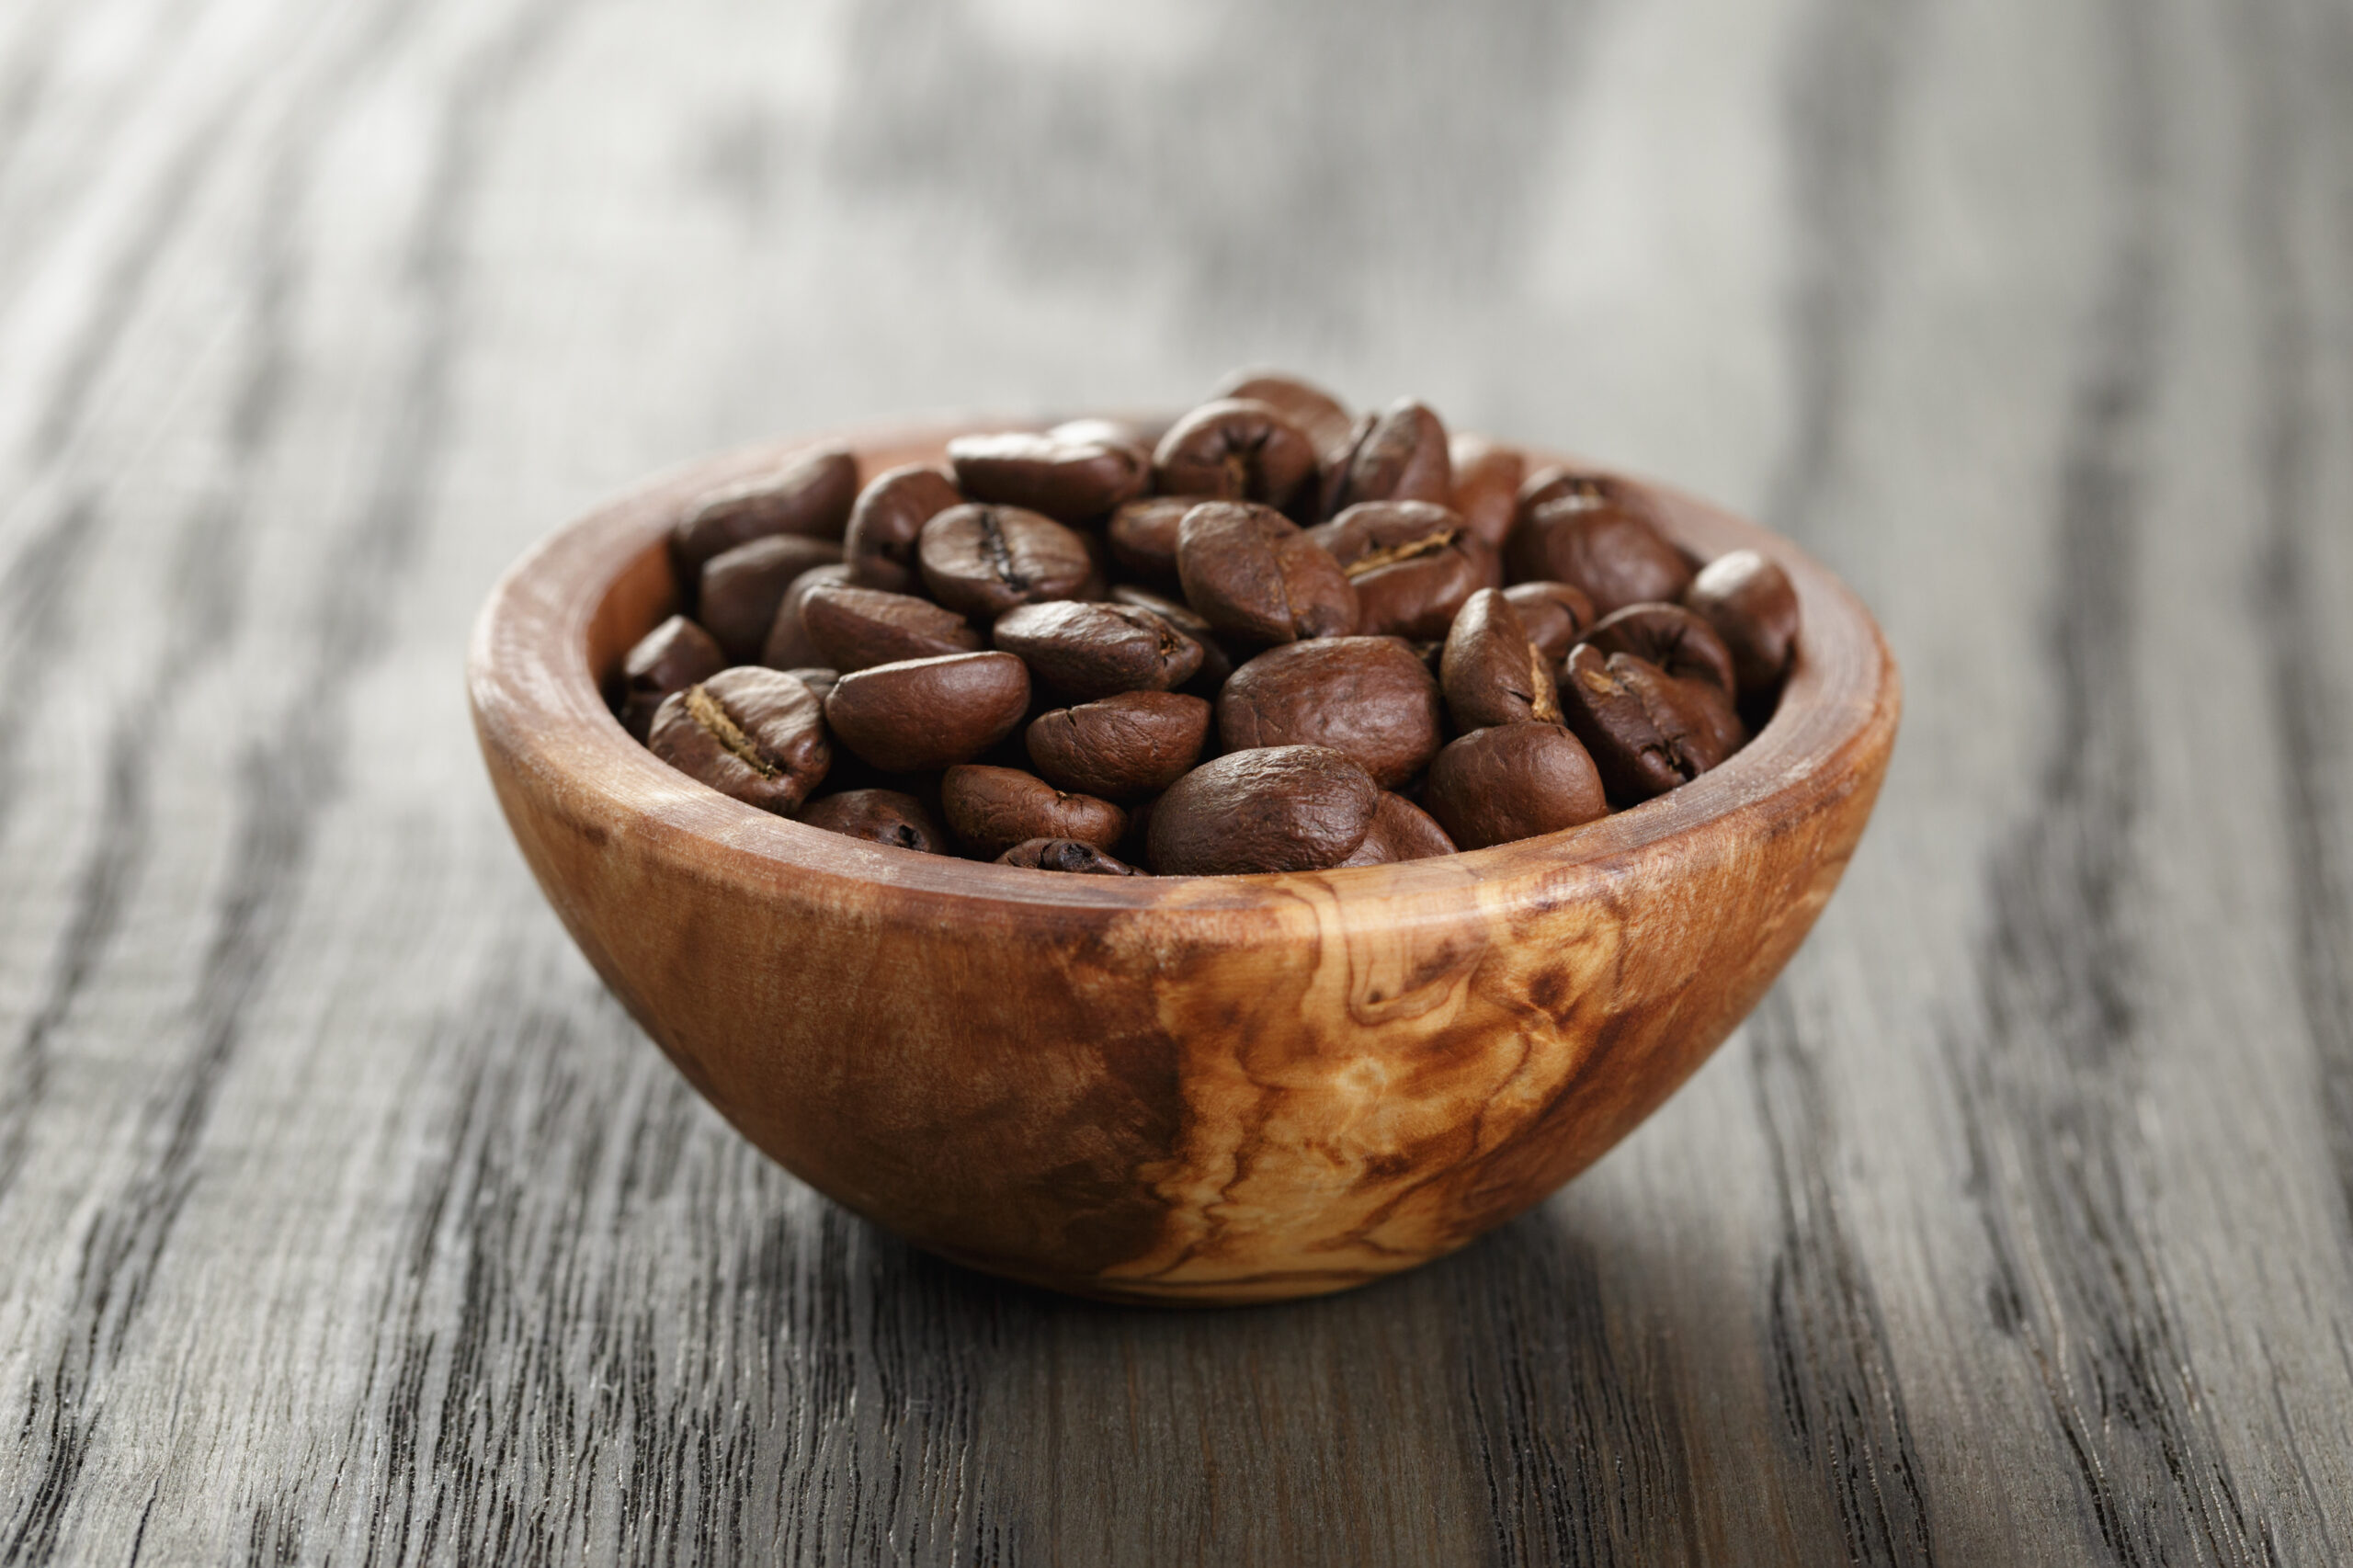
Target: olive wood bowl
[1178,1089]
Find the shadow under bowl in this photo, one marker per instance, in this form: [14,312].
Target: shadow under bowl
[1182,1090]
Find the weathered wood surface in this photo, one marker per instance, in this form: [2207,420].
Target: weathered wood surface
[345,1219]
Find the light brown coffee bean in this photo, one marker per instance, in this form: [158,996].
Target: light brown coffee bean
[1513,781]
[1367,698]
[990,810]
[880,545]
[925,713]
[787,645]
[1753,607]
[1412,563]
[981,561]
[1234,449]
[1600,533]
[1399,831]
[1070,480]
[1253,572]
[670,658]
[1065,855]
[1094,650]
[1490,672]
[856,628]
[810,495]
[750,732]
[1402,458]
[878,816]
[1282,809]
[1119,747]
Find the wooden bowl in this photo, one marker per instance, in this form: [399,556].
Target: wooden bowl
[1185,1089]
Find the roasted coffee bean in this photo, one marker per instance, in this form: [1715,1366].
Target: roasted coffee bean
[1647,731]
[742,587]
[982,560]
[1119,747]
[1399,831]
[810,495]
[1281,809]
[1094,650]
[1065,855]
[1754,609]
[1669,636]
[1234,449]
[1332,469]
[1555,615]
[787,645]
[880,816]
[857,629]
[1142,535]
[889,517]
[1252,572]
[818,680]
[1217,663]
[1367,698]
[926,713]
[1412,563]
[1513,781]
[1600,533]
[1321,417]
[752,734]
[1714,726]
[1491,671]
[1402,458]
[671,657]
[1486,486]
[990,810]
[1072,480]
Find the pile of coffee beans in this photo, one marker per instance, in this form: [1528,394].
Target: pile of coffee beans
[1272,636]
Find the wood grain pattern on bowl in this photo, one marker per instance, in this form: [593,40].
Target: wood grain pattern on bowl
[1177,1089]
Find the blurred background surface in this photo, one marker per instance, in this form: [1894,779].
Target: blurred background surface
[347,1219]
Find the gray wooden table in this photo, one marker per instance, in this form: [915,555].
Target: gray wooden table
[344,1218]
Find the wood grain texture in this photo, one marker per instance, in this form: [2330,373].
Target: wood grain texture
[347,1221]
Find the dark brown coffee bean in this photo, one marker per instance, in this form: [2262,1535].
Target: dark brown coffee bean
[1486,486]
[1217,661]
[1491,671]
[1367,698]
[810,495]
[1321,417]
[990,810]
[889,517]
[670,658]
[1142,535]
[1332,471]
[1072,480]
[1094,650]
[982,560]
[1555,615]
[857,629]
[1252,572]
[1234,449]
[1647,731]
[752,734]
[1282,809]
[742,587]
[1513,781]
[878,816]
[1600,533]
[1713,729]
[1402,458]
[1065,855]
[1401,831]
[1412,563]
[1669,636]
[1754,609]
[818,680]
[925,714]
[787,646]
[1119,747]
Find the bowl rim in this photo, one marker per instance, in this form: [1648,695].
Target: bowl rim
[539,709]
